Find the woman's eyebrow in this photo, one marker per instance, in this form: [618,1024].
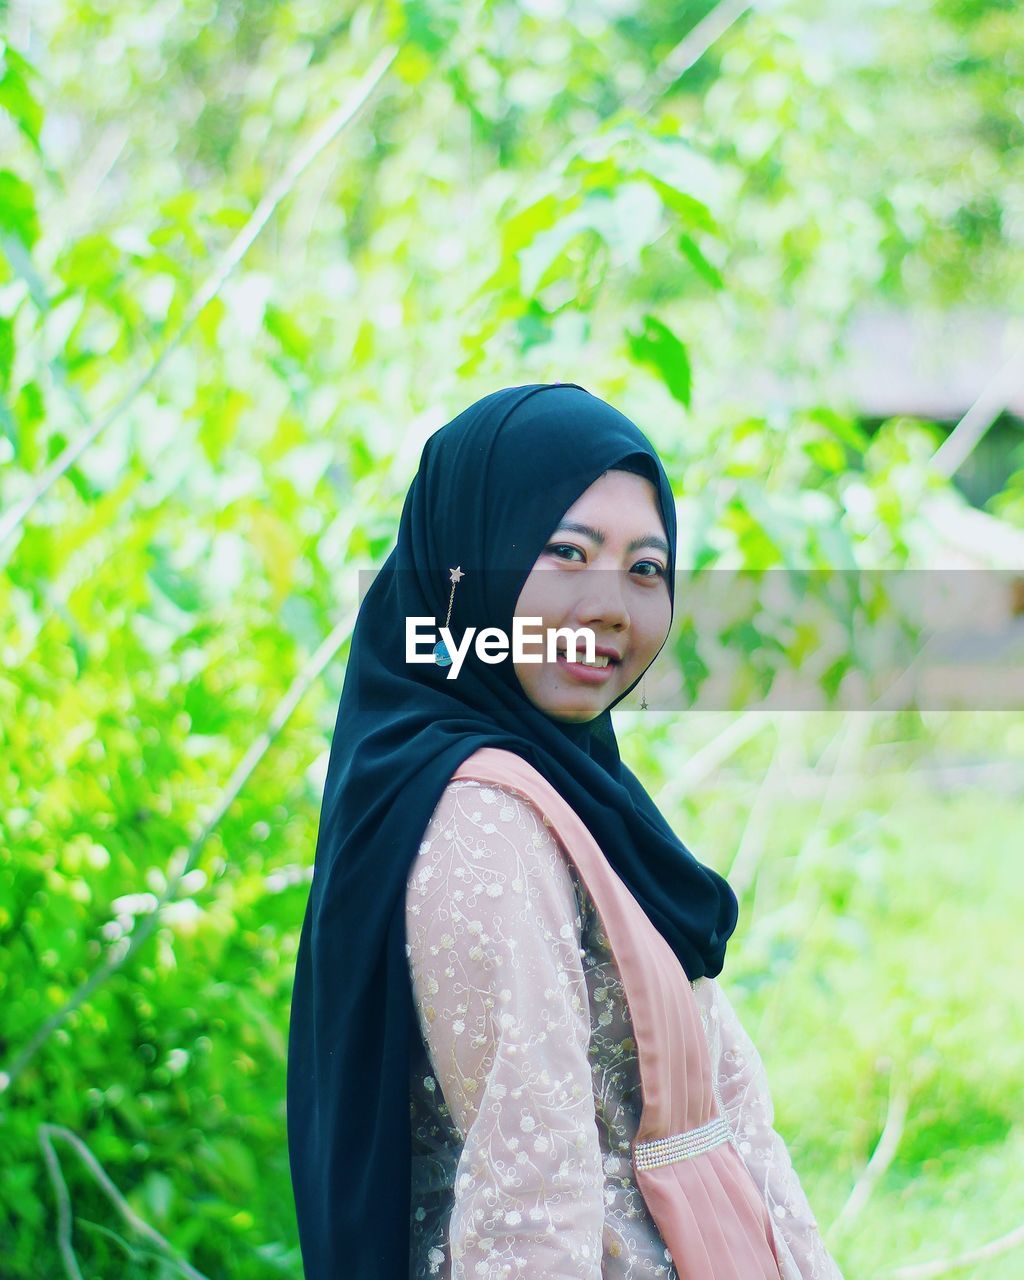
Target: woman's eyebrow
[649,540]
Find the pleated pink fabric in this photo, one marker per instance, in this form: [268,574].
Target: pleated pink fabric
[706,1206]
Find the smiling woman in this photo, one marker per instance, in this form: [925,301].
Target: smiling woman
[594,579]
[509,1053]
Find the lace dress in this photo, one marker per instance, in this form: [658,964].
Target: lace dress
[524,1091]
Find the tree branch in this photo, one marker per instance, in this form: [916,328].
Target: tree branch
[942,1266]
[881,1157]
[47,1134]
[261,215]
[689,51]
[993,398]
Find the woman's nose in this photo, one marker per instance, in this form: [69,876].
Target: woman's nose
[602,600]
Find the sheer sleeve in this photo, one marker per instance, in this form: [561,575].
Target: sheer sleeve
[493,937]
[746,1102]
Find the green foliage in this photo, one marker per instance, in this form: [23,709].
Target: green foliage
[508,206]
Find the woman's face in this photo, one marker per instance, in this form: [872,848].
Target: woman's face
[605,567]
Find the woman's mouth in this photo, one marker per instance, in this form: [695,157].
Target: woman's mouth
[596,673]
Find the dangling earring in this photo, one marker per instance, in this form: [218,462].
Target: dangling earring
[441,655]
[643,692]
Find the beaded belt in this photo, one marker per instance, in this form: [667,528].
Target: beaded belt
[682,1146]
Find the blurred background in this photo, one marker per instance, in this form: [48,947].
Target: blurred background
[251,256]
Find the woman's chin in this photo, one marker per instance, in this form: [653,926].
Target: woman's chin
[572,700]
[576,706]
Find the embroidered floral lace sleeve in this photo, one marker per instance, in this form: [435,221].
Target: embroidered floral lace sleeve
[746,1102]
[493,927]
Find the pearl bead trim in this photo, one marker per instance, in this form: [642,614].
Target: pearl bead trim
[682,1146]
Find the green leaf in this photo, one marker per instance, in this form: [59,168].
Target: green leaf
[18,208]
[656,345]
[521,228]
[845,429]
[92,263]
[16,98]
[689,208]
[288,332]
[690,250]
[432,27]
[8,425]
[6,352]
[534,326]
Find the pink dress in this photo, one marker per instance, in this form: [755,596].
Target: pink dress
[579,1109]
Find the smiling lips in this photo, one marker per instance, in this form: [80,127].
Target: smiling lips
[596,673]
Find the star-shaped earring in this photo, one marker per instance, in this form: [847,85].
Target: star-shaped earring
[441,655]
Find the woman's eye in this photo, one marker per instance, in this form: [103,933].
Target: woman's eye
[654,570]
[556,547]
[659,570]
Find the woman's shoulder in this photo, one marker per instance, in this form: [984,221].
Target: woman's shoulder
[487,804]
[481,824]
[501,766]
[505,770]
[492,772]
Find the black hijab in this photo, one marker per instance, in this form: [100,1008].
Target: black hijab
[491,487]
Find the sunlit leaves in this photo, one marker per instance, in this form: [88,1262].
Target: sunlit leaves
[496,214]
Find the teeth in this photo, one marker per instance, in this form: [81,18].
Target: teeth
[602,660]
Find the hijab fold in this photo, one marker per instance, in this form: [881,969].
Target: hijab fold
[491,488]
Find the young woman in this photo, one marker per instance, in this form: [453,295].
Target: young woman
[509,1055]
